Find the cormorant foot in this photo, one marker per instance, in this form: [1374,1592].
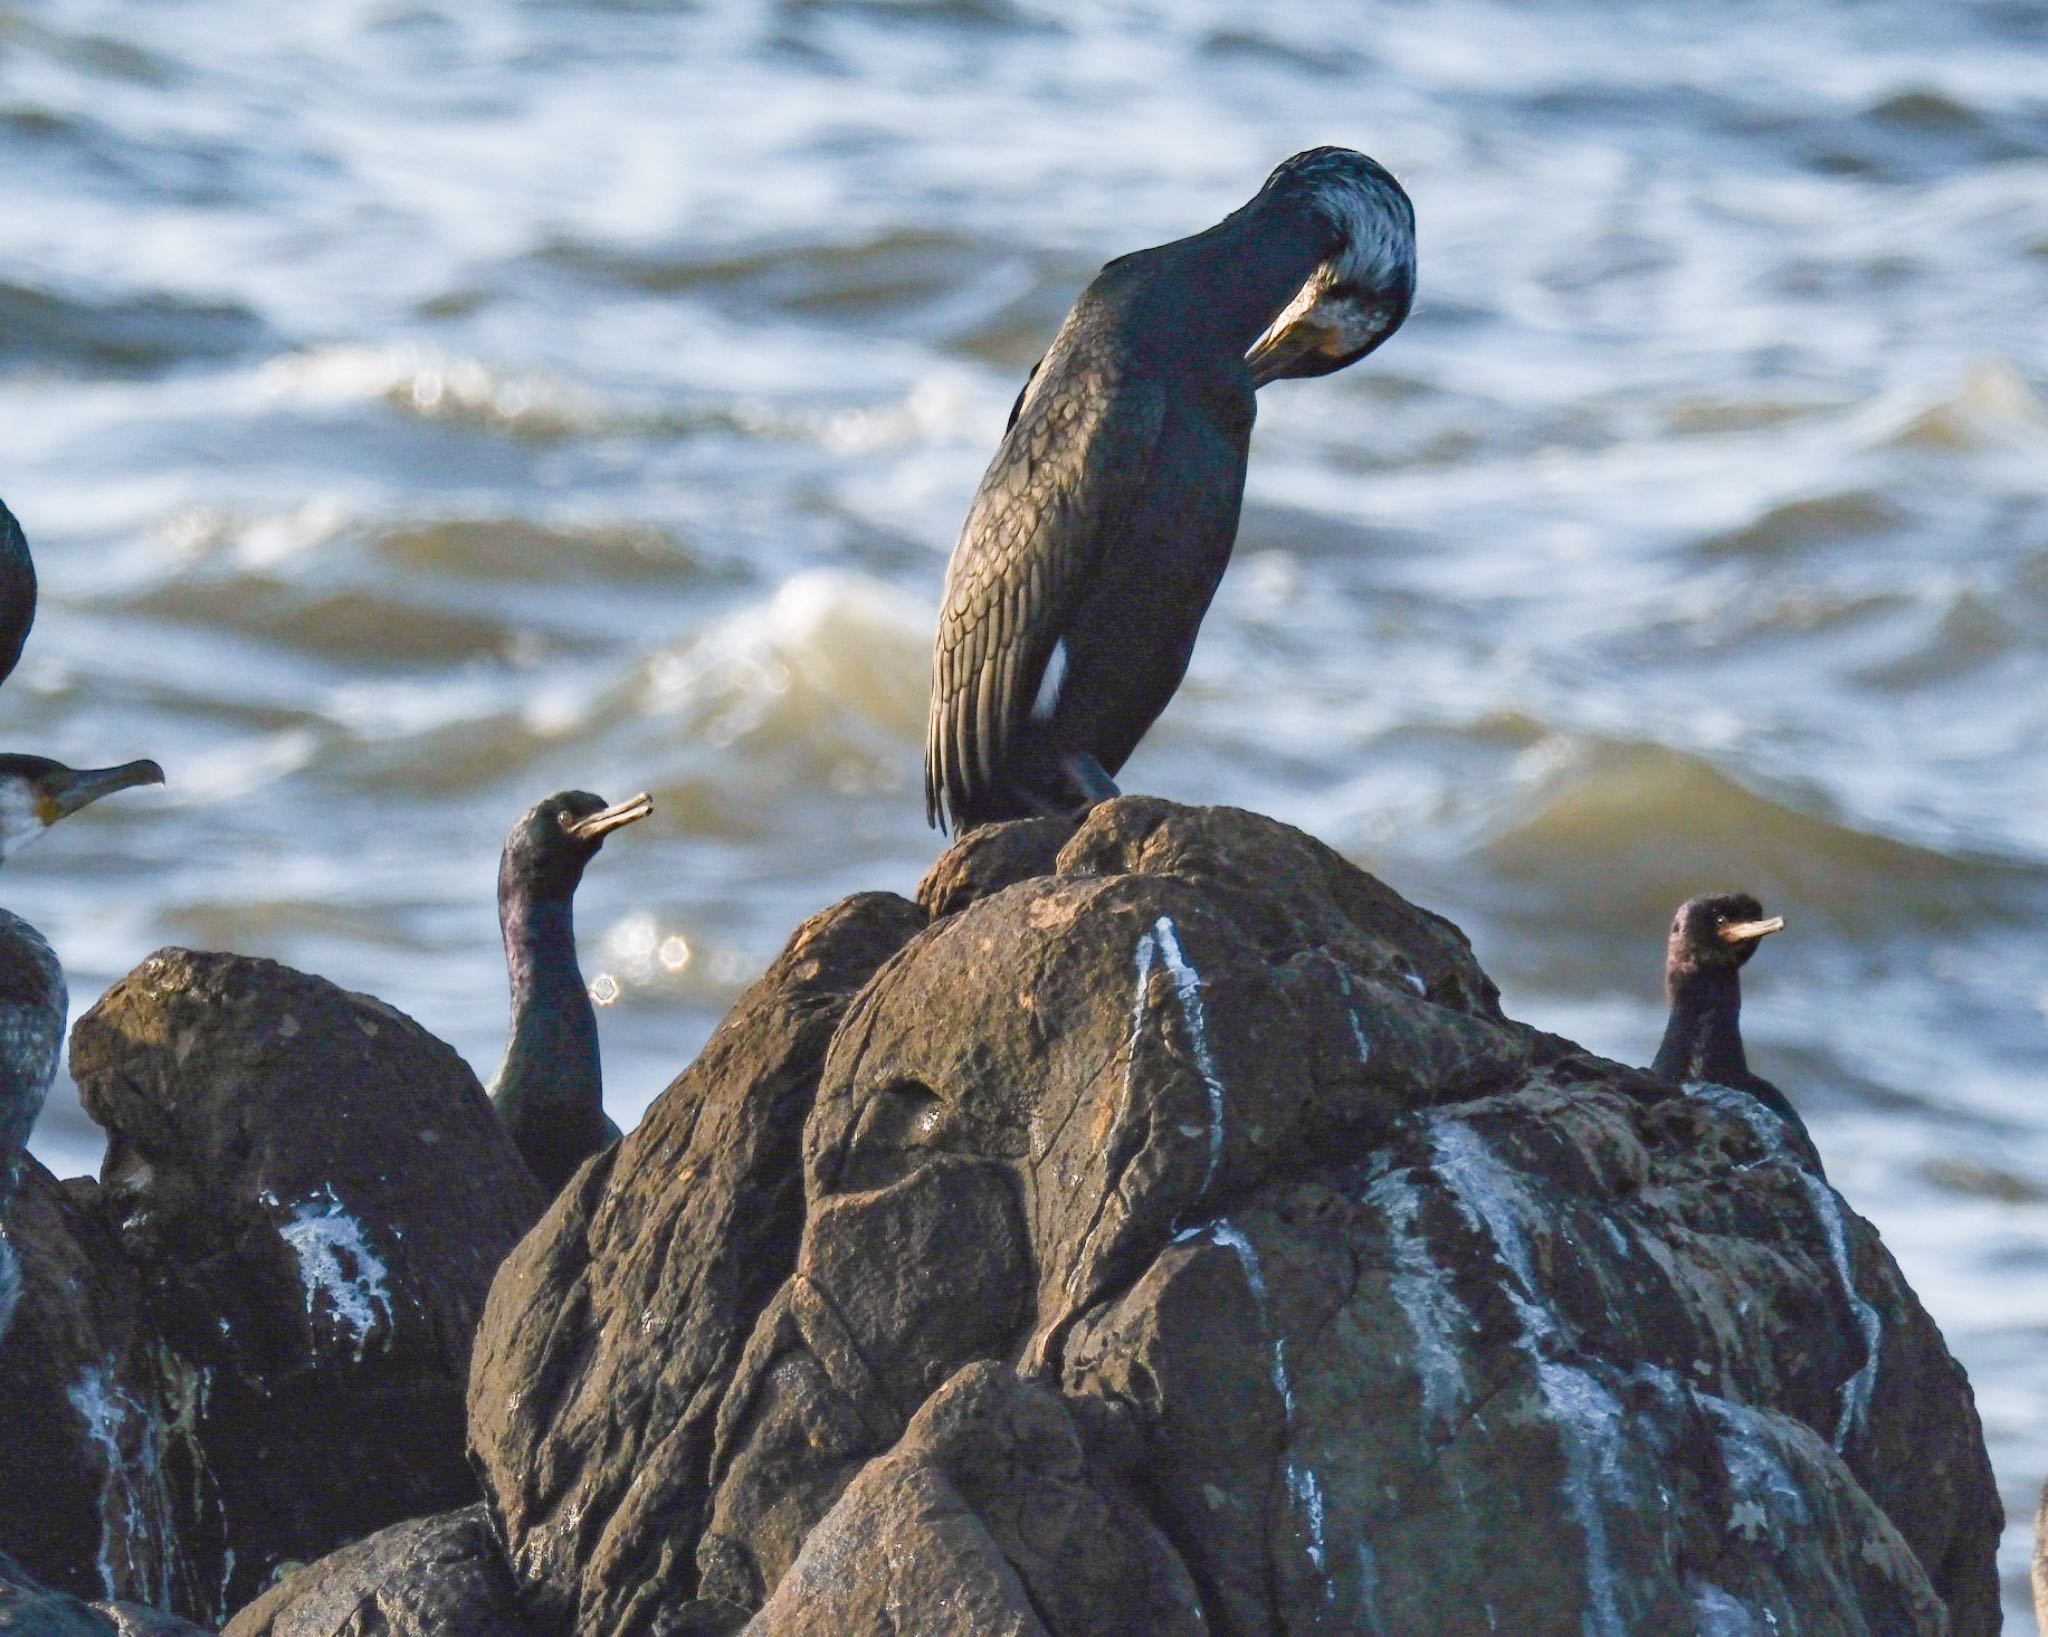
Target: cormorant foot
[1090,782]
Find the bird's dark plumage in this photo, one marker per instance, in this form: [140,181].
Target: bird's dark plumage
[1107,516]
[17,591]
[1712,939]
[34,793]
[549,1091]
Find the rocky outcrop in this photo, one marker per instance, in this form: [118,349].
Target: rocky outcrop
[1163,1229]
[443,1576]
[311,1195]
[615,1328]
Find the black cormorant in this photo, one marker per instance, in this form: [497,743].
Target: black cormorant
[17,591]
[1712,938]
[1106,518]
[549,1090]
[34,794]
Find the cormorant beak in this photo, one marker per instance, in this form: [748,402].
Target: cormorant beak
[62,794]
[1280,350]
[1742,932]
[600,824]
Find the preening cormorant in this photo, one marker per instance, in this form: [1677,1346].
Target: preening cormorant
[17,591]
[1712,938]
[1106,518]
[549,1091]
[34,794]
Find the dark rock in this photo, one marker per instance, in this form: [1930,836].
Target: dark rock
[314,1195]
[28,1609]
[85,1502]
[1003,1509]
[442,1576]
[1270,1267]
[989,858]
[614,1328]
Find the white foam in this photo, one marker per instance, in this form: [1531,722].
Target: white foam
[335,1261]
[1422,1290]
[1827,1211]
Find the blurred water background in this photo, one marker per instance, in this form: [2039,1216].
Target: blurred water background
[418,406]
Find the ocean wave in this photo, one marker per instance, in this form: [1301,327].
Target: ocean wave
[434,386]
[120,334]
[1628,829]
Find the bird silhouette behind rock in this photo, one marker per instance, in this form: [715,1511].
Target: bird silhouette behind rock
[1107,516]
[549,1091]
[34,794]
[1712,939]
[17,591]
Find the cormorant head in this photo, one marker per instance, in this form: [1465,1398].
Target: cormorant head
[1718,932]
[17,590]
[1359,294]
[36,792]
[547,849]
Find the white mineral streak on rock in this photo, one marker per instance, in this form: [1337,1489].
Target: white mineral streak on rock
[1307,1490]
[129,1521]
[1756,1475]
[1351,1015]
[1369,1592]
[1717,1613]
[1436,1318]
[10,1280]
[1187,989]
[1827,1211]
[335,1260]
[1586,1414]
[1303,1486]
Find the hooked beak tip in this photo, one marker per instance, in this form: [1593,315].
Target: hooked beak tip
[86,785]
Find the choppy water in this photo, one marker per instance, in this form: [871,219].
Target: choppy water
[419,407]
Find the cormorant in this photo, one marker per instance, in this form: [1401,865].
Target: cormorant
[34,794]
[549,1090]
[17,591]
[1711,940]
[1106,518]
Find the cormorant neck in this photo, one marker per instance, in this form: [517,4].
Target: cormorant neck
[1241,274]
[1703,1040]
[553,1041]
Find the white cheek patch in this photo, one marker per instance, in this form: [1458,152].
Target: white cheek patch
[1048,697]
[20,823]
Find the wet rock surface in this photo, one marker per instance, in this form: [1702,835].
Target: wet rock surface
[311,1194]
[1176,1215]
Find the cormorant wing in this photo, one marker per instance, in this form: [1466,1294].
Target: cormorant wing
[1023,392]
[1047,507]
[17,591]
